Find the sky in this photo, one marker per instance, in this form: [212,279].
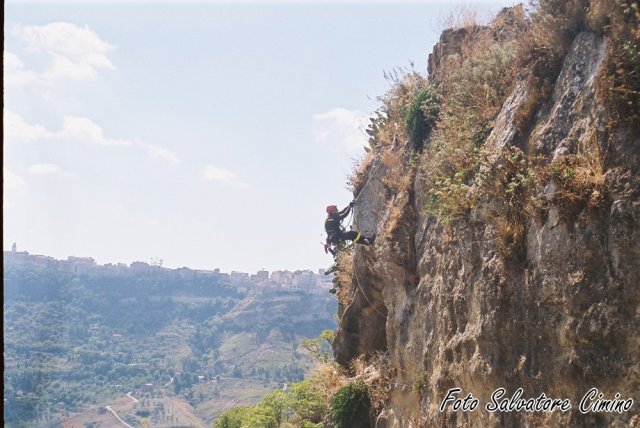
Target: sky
[203,134]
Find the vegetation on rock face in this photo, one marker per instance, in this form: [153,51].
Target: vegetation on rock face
[351,405]
[556,22]
[331,395]
[456,165]
[473,93]
[408,112]
[473,85]
[420,114]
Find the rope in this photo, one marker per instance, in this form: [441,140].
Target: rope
[363,187]
[355,273]
[371,174]
[350,217]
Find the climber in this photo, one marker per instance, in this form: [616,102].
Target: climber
[336,235]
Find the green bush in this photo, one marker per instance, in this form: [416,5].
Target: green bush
[307,401]
[351,405]
[421,114]
[233,418]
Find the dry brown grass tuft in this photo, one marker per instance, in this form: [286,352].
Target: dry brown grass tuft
[581,183]
[330,378]
[539,91]
[359,172]
[510,231]
[398,177]
[395,212]
[579,179]
[463,16]
[376,374]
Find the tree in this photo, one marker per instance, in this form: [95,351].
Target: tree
[308,401]
[320,347]
[233,418]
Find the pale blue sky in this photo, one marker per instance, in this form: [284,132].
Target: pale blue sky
[205,134]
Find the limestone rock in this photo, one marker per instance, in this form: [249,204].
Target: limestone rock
[450,311]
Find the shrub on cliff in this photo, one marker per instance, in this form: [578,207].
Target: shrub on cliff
[351,405]
[407,112]
[420,114]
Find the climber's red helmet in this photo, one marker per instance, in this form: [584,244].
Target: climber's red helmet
[332,209]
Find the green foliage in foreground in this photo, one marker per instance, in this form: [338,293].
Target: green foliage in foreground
[351,405]
[307,404]
[304,403]
[233,418]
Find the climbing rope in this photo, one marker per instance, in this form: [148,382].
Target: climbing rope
[355,273]
[365,295]
[371,174]
[350,217]
[363,187]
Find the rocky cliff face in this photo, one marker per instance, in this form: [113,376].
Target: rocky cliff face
[558,314]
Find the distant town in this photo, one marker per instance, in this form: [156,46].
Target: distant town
[305,281]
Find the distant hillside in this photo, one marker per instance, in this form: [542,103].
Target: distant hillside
[75,340]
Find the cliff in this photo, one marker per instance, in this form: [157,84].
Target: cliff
[508,235]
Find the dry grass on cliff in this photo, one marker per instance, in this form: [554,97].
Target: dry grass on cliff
[554,24]
[391,224]
[357,178]
[344,277]
[510,231]
[579,178]
[330,378]
[398,177]
[376,374]
[505,178]
[620,82]
[473,94]
[463,16]
[373,371]
[387,129]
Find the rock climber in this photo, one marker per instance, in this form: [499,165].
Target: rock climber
[336,235]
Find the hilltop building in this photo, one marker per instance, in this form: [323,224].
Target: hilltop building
[305,281]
